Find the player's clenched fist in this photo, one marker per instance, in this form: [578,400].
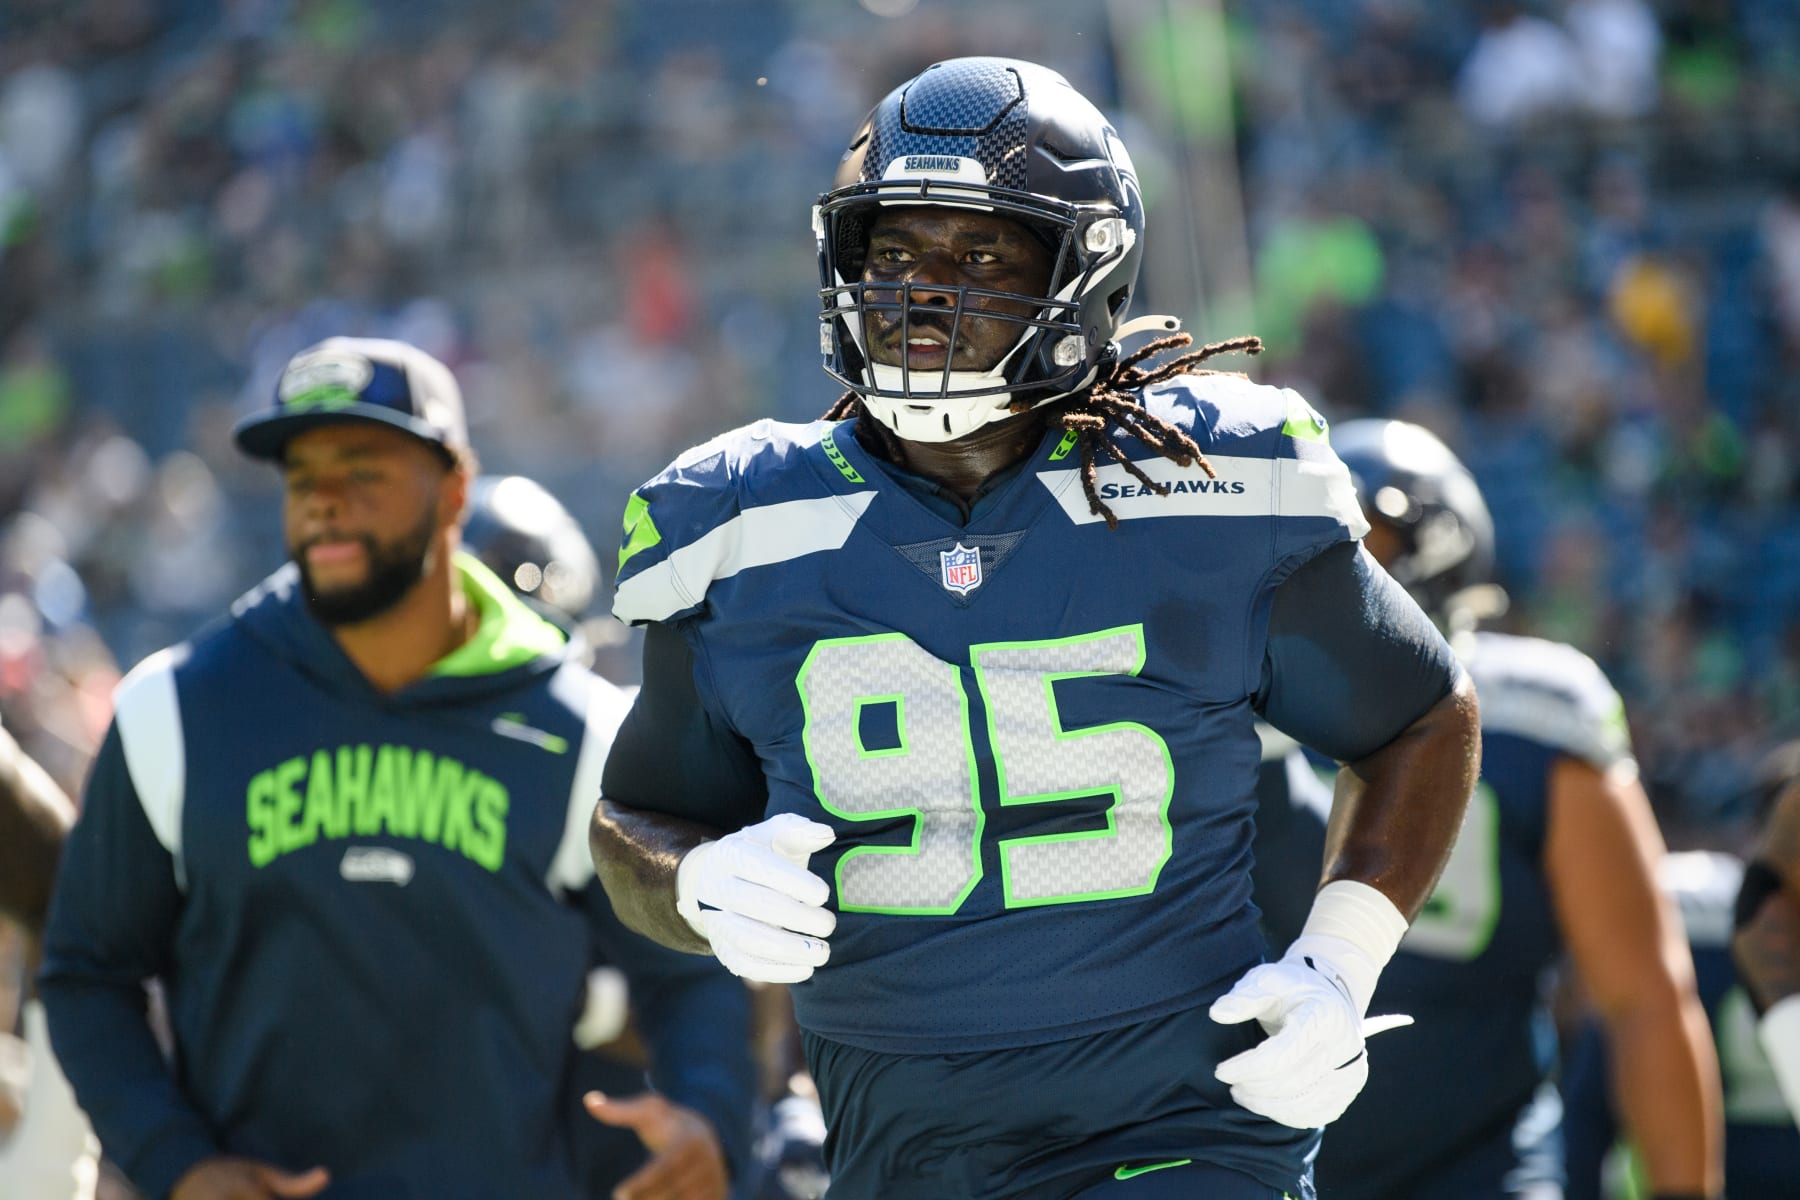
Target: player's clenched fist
[246,1179]
[751,897]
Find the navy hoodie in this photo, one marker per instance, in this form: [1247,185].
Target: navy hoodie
[371,914]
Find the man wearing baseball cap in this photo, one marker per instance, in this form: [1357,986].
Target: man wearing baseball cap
[346,827]
[369,379]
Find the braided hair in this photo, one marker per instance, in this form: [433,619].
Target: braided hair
[1110,402]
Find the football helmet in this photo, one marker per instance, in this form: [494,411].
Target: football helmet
[526,537]
[998,136]
[1409,480]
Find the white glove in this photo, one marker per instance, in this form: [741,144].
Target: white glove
[1311,1004]
[751,897]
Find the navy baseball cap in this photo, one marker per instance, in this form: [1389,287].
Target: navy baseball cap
[359,379]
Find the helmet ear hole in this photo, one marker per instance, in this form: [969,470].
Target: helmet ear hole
[1115,303]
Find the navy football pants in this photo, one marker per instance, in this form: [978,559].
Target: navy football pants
[1056,1122]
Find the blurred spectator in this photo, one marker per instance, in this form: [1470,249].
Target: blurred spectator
[34,402]
[1780,230]
[40,122]
[1522,68]
[1619,45]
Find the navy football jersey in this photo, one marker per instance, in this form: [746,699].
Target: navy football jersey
[1033,734]
[1473,967]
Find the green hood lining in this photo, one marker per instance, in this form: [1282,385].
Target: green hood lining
[510,634]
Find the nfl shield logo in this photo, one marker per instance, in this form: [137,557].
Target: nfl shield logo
[962,568]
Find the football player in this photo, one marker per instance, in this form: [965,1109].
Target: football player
[522,533]
[1557,855]
[949,698]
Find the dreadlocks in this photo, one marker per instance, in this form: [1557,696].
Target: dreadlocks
[1110,402]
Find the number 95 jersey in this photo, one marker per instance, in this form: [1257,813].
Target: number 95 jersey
[1032,733]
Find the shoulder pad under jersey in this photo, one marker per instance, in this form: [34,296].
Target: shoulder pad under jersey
[1549,693]
[743,499]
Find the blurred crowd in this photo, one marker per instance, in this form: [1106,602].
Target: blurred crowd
[1567,237]
[1565,234]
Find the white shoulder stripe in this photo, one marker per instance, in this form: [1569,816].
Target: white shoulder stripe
[756,537]
[573,867]
[1245,487]
[148,714]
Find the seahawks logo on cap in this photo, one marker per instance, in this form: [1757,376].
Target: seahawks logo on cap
[324,379]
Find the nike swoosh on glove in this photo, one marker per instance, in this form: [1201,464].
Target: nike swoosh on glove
[1314,1062]
[751,897]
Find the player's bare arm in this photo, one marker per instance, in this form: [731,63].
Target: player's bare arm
[35,817]
[1397,810]
[636,853]
[1600,853]
[674,780]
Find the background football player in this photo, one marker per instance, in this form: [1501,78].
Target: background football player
[1557,855]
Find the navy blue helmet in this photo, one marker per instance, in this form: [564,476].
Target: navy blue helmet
[999,136]
[526,537]
[1409,480]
